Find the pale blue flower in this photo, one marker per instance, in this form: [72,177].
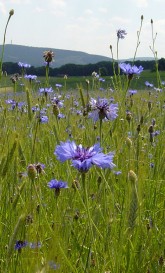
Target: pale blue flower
[55,184]
[102,108]
[84,158]
[130,70]
[121,33]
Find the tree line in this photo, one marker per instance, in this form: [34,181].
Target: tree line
[103,68]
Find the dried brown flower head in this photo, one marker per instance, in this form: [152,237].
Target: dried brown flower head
[48,56]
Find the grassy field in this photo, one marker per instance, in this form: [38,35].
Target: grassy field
[74,82]
[107,219]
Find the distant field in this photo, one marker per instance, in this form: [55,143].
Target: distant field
[74,82]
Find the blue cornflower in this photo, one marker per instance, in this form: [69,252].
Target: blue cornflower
[130,70]
[84,158]
[60,115]
[43,119]
[30,77]
[121,33]
[152,165]
[58,85]
[23,65]
[57,184]
[35,108]
[131,92]
[20,244]
[53,265]
[46,90]
[101,108]
[148,84]
[35,245]
[57,101]
[15,104]
[101,80]
[156,133]
[117,172]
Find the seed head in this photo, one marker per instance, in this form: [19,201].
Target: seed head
[48,56]
[11,12]
[32,172]
[132,177]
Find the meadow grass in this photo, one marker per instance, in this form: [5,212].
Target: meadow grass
[117,227]
[108,220]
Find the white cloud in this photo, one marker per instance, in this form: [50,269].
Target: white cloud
[119,20]
[58,4]
[103,10]
[38,10]
[88,11]
[20,2]
[3,8]
[142,3]
[57,7]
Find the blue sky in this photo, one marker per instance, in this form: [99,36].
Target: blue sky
[86,25]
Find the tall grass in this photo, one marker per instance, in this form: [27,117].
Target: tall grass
[106,220]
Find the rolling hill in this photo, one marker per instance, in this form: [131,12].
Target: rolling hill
[34,56]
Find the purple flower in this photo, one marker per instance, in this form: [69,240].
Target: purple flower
[20,244]
[35,245]
[130,70]
[117,172]
[30,77]
[43,119]
[101,108]
[156,133]
[15,104]
[46,90]
[131,92]
[24,65]
[55,184]
[57,101]
[35,108]
[58,85]
[60,115]
[121,33]
[84,158]
[101,80]
[148,84]
[53,265]
[152,165]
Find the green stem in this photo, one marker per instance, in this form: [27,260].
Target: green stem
[101,121]
[89,218]
[3,45]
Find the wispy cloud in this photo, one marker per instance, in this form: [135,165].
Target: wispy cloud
[88,11]
[20,2]
[38,10]
[142,3]
[57,7]
[120,21]
[103,10]
[3,8]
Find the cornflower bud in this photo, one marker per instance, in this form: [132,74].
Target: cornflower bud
[128,142]
[149,105]
[138,128]
[32,172]
[11,12]
[128,116]
[132,177]
[56,110]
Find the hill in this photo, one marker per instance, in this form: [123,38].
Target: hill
[34,56]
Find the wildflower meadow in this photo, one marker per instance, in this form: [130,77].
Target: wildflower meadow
[82,176]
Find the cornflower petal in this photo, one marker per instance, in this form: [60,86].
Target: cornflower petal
[65,151]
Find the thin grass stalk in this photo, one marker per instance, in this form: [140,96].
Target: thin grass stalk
[19,225]
[4,40]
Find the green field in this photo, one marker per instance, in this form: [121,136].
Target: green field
[74,82]
[107,219]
